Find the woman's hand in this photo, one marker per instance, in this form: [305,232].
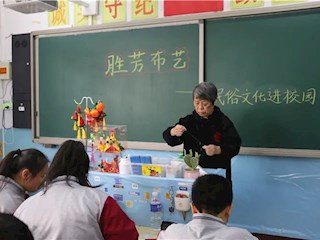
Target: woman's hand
[178,130]
[212,149]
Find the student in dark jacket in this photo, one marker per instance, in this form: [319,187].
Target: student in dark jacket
[11,228]
[207,131]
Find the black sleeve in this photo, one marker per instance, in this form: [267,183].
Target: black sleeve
[171,140]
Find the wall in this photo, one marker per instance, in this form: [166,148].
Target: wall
[272,195]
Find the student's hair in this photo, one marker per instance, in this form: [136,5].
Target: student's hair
[70,160]
[205,91]
[211,193]
[15,161]
[11,228]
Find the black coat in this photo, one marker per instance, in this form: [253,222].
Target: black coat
[217,129]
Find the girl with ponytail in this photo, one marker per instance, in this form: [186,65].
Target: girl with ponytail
[21,171]
[68,207]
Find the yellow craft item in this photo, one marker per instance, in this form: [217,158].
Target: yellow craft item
[100,147]
[113,137]
[75,126]
[83,133]
[79,134]
[106,147]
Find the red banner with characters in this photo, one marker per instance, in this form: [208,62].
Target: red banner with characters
[178,7]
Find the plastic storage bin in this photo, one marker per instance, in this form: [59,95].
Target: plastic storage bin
[156,167]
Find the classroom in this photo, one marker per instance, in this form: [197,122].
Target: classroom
[143,64]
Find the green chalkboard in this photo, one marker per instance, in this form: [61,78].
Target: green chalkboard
[144,76]
[268,75]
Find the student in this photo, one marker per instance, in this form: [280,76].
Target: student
[206,131]
[20,171]
[69,208]
[211,208]
[11,228]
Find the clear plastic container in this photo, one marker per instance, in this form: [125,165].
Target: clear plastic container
[157,167]
[155,212]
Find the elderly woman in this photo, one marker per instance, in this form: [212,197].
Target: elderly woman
[206,131]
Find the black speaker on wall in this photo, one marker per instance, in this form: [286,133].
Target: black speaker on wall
[21,81]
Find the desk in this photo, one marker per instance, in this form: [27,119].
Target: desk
[147,233]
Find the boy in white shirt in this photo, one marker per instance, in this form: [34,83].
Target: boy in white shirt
[211,207]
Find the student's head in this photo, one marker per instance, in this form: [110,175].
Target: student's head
[70,160]
[204,97]
[26,167]
[212,194]
[11,228]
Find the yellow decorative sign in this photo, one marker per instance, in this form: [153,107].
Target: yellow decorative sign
[113,11]
[143,9]
[59,17]
[79,19]
[236,4]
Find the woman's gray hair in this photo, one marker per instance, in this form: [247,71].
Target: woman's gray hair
[205,91]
